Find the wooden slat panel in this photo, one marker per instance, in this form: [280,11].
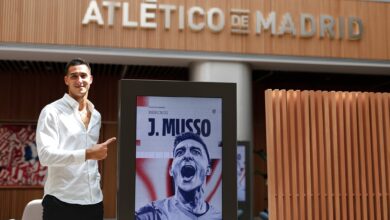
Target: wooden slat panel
[355,157]
[337,204]
[369,156]
[314,154]
[301,155]
[362,157]
[291,107]
[286,156]
[279,154]
[269,98]
[308,158]
[387,143]
[13,201]
[328,156]
[382,159]
[343,160]
[375,152]
[342,165]
[321,153]
[109,171]
[59,22]
[348,147]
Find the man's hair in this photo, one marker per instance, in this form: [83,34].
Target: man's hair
[192,136]
[76,62]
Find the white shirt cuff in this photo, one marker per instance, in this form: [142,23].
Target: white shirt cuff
[79,156]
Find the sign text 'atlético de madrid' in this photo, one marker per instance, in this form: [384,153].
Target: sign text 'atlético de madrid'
[241,20]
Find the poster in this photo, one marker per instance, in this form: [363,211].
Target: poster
[19,163]
[159,120]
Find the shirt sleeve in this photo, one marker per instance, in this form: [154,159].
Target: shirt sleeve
[47,138]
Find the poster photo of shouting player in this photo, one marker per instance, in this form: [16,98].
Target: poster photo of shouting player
[178,158]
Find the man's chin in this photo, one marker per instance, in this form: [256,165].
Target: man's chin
[188,186]
[78,94]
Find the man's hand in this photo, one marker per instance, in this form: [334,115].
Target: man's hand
[98,151]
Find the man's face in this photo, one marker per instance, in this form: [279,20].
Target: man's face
[190,165]
[78,79]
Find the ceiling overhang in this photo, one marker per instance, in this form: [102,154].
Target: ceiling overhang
[57,53]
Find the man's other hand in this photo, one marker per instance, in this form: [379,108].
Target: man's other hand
[98,151]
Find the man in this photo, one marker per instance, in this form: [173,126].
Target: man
[66,136]
[190,166]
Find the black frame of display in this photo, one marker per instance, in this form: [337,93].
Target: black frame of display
[129,90]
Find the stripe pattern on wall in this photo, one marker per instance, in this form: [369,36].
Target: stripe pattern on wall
[328,155]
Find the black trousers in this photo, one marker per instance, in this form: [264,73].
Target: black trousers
[55,209]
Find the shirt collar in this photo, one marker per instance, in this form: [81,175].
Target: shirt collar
[75,105]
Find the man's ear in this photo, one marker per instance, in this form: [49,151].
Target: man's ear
[170,171]
[208,170]
[66,80]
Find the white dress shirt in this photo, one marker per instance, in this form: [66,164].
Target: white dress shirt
[62,140]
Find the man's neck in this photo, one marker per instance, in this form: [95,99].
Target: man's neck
[193,201]
[81,100]
[82,104]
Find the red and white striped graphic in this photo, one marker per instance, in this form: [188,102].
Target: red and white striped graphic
[19,163]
